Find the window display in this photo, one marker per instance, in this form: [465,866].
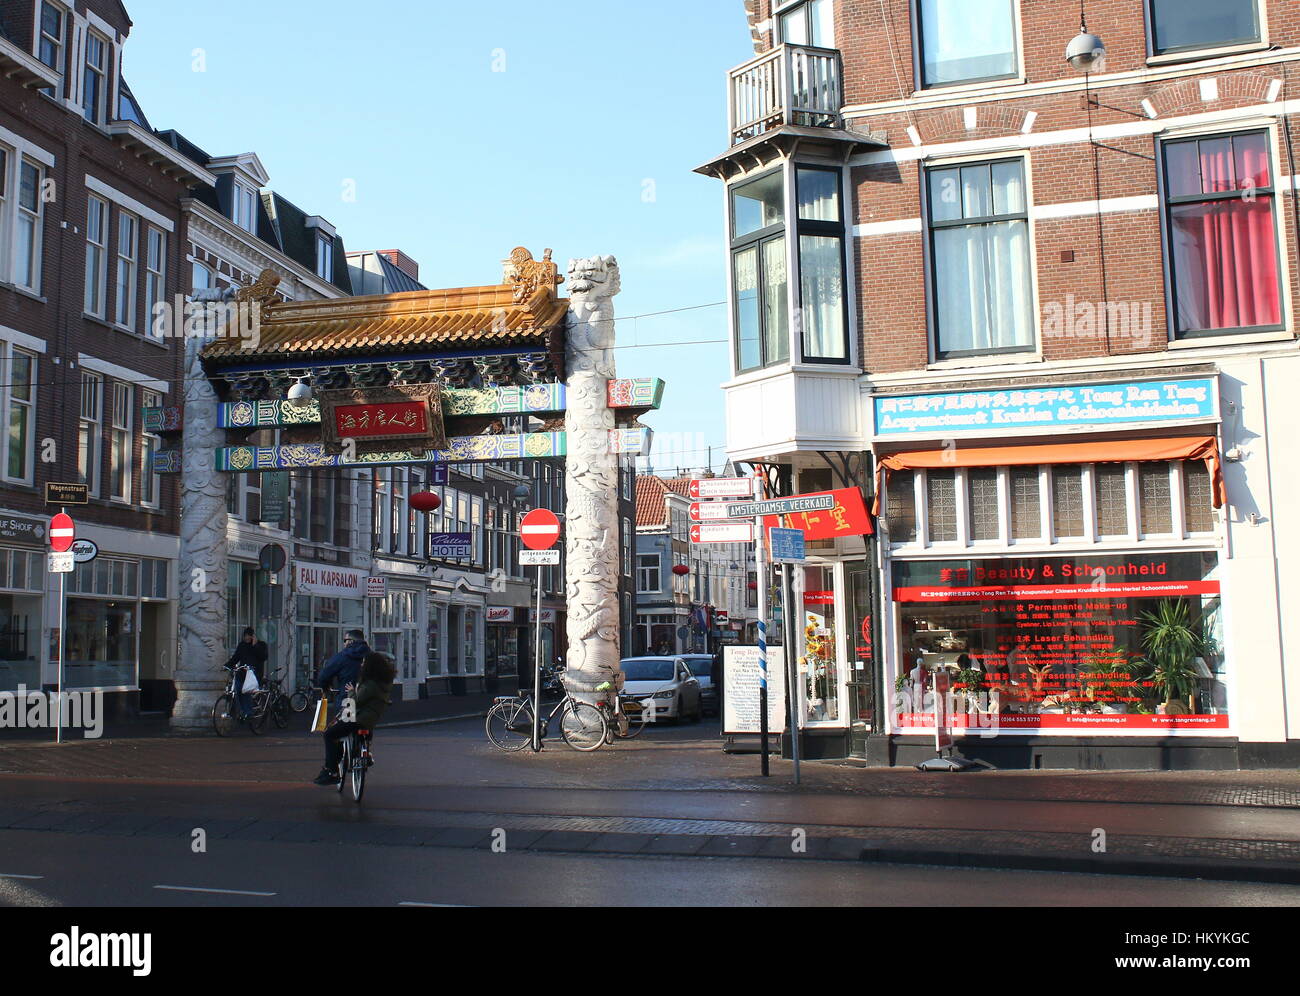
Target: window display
[1114,643]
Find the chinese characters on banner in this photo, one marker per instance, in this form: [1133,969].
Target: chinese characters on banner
[848,518]
[391,419]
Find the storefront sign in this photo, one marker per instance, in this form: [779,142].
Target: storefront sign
[83,550]
[500,614]
[22,529]
[548,616]
[1047,407]
[376,586]
[1055,643]
[740,713]
[449,546]
[846,517]
[339,582]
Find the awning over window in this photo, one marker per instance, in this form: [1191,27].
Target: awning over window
[1108,451]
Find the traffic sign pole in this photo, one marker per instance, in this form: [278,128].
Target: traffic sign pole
[63,613]
[762,628]
[538,530]
[791,689]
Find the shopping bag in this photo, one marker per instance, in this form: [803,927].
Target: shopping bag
[321,716]
[250,681]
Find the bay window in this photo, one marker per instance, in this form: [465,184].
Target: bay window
[1185,25]
[1223,256]
[966,41]
[759,272]
[821,265]
[981,291]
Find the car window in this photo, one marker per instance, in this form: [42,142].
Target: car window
[648,669]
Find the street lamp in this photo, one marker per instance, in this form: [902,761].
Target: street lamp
[1086,53]
[300,393]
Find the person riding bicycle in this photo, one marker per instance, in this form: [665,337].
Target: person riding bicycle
[250,653]
[343,668]
[369,700]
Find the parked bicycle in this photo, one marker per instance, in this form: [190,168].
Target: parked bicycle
[355,762]
[270,701]
[510,722]
[627,717]
[306,696]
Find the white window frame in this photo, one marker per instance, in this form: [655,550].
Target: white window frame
[7,403]
[100,110]
[125,270]
[642,569]
[121,451]
[155,278]
[324,256]
[627,548]
[32,218]
[150,443]
[97,256]
[60,44]
[91,419]
[1017,75]
[7,155]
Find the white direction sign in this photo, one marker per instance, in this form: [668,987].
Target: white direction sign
[61,563]
[539,558]
[722,532]
[708,511]
[722,487]
[780,506]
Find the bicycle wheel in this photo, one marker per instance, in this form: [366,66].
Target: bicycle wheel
[299,701]
[358,770]
[280,711]
[261,712]
[582,725]
[223,715]
[510,725]
[636,712]
[345,762]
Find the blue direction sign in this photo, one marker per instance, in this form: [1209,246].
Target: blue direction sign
[450,546]
[787,544]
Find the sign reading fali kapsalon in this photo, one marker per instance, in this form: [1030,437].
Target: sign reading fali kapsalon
[1047,406]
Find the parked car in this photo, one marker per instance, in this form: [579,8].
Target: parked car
[701,666]
[668,681]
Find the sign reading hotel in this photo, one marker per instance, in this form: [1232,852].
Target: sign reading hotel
[336,582]
[1047,407]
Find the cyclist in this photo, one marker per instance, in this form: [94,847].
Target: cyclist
[343,668]
[250,653]
[370,700]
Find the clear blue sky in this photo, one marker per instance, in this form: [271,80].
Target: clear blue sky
[583,142]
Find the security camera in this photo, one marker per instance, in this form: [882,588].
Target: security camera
[300,394]
[1086,53]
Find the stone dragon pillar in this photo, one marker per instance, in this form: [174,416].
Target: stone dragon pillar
[591,481]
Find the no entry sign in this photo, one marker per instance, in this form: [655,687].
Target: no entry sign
[539,529]
[62,532]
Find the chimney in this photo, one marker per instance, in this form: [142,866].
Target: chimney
[402,261]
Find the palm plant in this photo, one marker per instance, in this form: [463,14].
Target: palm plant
[1172,645]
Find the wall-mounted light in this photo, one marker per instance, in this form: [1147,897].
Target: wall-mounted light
[1086,53]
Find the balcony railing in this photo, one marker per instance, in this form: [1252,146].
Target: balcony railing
[792,84]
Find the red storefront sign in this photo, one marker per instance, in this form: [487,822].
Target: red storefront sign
[819,598]
[1116,589]
[848,518]
[398,418]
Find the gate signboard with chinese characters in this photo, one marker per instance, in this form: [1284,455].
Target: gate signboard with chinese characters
[410,414]
[847,516]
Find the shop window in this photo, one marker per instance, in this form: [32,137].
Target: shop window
[965,41]
[982,503]
[1026,503]
[1186,25]
[1154,499]
[1197,497]
[1223,262]
[1110,483]
[941,505]
[981,280]
[1067,501]
[900,507]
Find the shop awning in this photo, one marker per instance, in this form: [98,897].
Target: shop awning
[1106,451]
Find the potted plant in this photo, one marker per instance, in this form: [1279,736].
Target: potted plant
[1172,645]
[968,682]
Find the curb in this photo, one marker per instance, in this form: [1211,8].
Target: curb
[426,722]
[1280,873]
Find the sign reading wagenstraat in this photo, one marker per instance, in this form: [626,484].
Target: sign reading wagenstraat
[1047,407]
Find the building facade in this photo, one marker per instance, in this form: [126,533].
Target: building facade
[1042,314]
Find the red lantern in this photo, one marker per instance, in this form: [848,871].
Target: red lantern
[424,501]
[680,569]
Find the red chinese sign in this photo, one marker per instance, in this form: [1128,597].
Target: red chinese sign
[400,418]
[848,518]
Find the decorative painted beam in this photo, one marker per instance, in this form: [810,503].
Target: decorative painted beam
[166,419]
[536,399]
[167,461]
[634,439]
[462,449]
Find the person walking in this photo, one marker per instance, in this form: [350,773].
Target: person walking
[250,654]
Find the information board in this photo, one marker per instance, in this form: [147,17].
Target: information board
[740,690]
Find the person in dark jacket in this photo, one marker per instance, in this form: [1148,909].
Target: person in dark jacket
[369,700]
[344,667]
[251,653]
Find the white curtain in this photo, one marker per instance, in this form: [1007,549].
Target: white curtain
[822,286]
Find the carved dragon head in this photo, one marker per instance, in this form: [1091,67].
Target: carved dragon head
[594,277]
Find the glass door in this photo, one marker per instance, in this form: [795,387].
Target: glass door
[820,671]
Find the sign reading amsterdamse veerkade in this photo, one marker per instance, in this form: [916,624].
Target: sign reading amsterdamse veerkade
[1047,407]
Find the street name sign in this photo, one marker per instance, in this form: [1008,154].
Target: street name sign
[780,506]
[539,558]
[66,494]
[787,544]
[722,487]
[708,511]
[722,532]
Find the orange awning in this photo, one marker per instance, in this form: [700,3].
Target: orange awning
[1105,451]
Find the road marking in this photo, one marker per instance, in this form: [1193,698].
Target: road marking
[459,906]
[227,892]
[16,875]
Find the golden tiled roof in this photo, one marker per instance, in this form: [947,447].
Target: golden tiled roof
[414,321]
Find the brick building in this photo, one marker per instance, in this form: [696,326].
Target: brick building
[91,237]
[1054,301]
